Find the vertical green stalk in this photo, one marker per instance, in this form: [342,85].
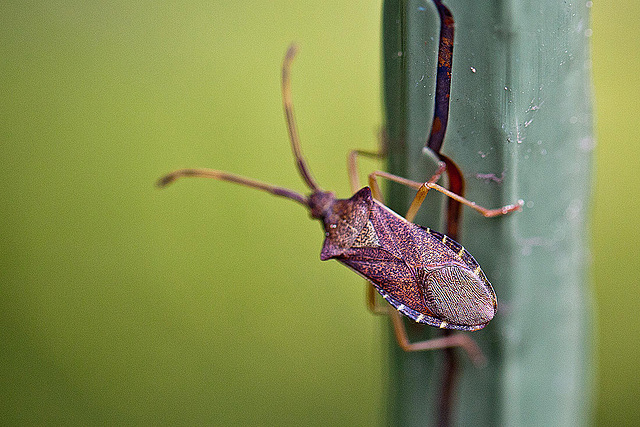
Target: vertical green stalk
[520,127]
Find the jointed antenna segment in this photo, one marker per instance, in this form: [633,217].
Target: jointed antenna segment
[230,177]
[291,120]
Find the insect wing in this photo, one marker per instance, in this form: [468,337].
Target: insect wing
[393,279]
[424,274]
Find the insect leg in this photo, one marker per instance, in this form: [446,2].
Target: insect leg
[422,193]
[352,159]
[484,211]
[352,165]
[374,305]
[423,188]
[454,340]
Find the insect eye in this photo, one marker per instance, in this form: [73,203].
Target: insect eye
[459,297]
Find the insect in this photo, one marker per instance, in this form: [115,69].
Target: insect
[421,273]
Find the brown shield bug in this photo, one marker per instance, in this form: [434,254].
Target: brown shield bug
[423,274]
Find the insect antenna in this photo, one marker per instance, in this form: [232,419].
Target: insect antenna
[230,177]
[295,145]
[291,121]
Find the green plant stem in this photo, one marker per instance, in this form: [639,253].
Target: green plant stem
[520,127]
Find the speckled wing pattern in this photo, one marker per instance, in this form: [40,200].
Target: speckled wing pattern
[423,274]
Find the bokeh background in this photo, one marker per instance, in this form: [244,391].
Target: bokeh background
[205,303]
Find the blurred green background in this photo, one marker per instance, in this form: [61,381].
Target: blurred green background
[206,303]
